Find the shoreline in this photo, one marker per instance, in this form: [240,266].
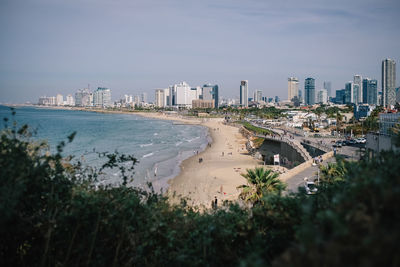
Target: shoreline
[218,175]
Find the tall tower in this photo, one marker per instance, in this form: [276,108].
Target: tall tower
[244,97]
[388,82]
[309,91]
[293,88]
[358,93]
[328,88]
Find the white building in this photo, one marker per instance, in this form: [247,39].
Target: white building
[293,88]
[322,96]
[70,100]
[59,100]
[257,96]
[160,98]
[244,97]
[102,97]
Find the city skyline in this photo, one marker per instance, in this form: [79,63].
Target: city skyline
[53,47]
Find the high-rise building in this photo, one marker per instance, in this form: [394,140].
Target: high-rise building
[102,97]
[244,97]
[293,88]
[322,96]
[388,82]
[59,100]
[309,91]
[340,96]
[370,91]
[357,89]
[143,98]
[70,100]
[184,95]
[300,96]
[257,96]
[328,88]
[210,92]
[348,93]
[83,98]
[159,98]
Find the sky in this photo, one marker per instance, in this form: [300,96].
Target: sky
[133,46]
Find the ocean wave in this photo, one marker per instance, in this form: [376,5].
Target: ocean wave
[148,155]
[144,145]
[179,143]
[155,134]
[191,140]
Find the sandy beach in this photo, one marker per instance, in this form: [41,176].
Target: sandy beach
[218,173]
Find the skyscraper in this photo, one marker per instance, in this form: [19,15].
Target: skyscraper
[348,93]
[293,88]
[309,91]
[370,91]
[102,97]
[357,89]
[244,97]
[159,98]
[257,95]
[388,82]
[328,88]
[322,96]
[210,92]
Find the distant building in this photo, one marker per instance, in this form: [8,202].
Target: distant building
[201,103]
[322,96]
[258,96]
[309,91]
[357,89]
[398,94]
[102,97]
[70,100]
[388,82]
[300,96]
[349,93]
[83,98]
[328,88]
[143,98]
[244,98]
[340,96]
[59,100]
[370,91]
[362,111]
[277,100]
[159,98]
[293,88]
[210,92]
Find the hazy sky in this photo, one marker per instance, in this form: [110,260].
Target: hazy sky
[131,46]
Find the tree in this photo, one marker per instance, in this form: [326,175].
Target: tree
[260,182]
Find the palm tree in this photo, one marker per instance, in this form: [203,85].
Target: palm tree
[333,172]
[260,182]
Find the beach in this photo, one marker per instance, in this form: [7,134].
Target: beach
[218,173]
[214,172]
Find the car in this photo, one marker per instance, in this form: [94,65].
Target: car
[310,187]
[361,140]
[351,142]
[338,144]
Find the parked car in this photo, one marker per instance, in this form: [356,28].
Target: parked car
[361,140]
[351,142]
[338,144]
[310,188]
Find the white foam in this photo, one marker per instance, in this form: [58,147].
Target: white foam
[179,143]
[148,155]
[144,145]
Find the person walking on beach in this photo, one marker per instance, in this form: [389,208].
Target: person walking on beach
[215,202]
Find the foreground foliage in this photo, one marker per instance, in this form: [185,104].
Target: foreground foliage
[54,216]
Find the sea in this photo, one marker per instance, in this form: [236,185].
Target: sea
[159,145]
